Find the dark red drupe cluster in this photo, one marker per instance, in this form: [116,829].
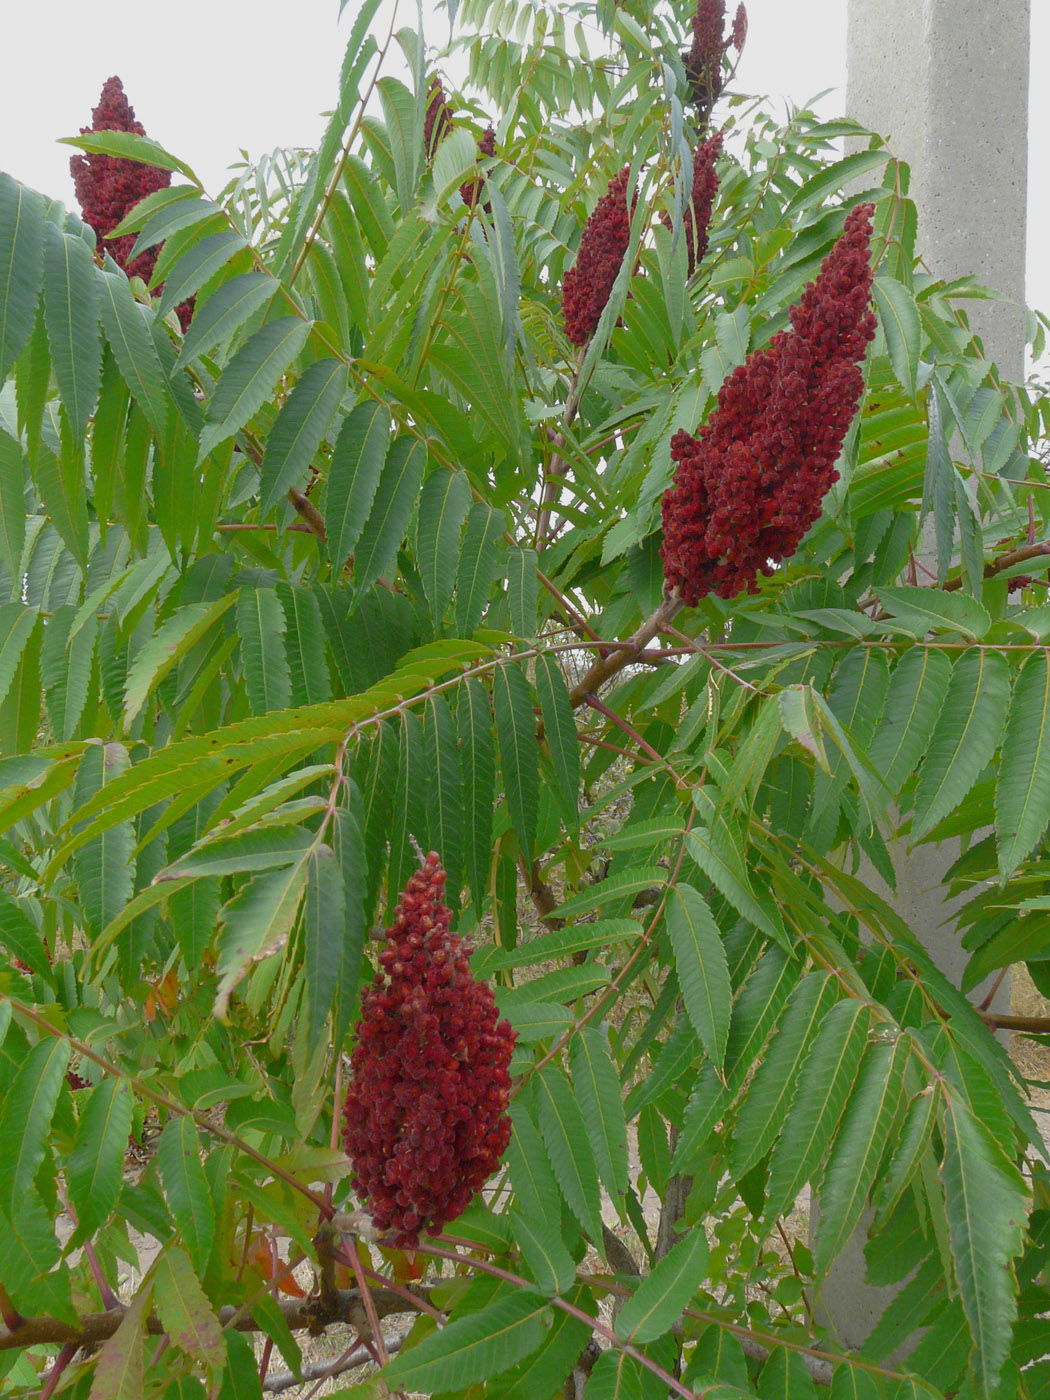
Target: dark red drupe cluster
[705,187]
[425,1117]
[587,284]
[750,486]
[738,33]
[470,190]
[703,59]
[107,187]
[437,120]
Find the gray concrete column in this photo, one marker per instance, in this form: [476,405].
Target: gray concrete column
[946,83]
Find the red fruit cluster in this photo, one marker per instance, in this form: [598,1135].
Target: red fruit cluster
[750,486]
[425,1120]
[437,120]
[703,59]
[470,190]
[738,33]
[705,187]
[107,187]
[588,283]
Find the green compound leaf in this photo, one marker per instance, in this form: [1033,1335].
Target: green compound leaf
[765,1108]
[531,1174]
[785,1376]
[25,1118]
[559,729]
[395,499]
[1022,791]
[914,703]
[661,1297]
[183,1308]
[922,609]
[21,267]
[105,865]
[71,315]
[65,670]
[13,471]
[446,792]
[985,1200]
[966,736]
[305,417]
[474,1348]
[477,750]
[824,1086]
[257,923]
[200,263]
[597,1088]
[700,962]
[568,1146]
[899,318]
[323,931]
[544,1370]
[128,145]
[95,1171]
[166,648]
[868,1126]
[519,758]
[17,623]
[443,507]
[353,476]
[478,565]
[126,324]
[260,626]
[28,1257]
[224,313]
[186,1188]
[546,1258]
[522,590]
[305,645]
[21,937]
[250,378]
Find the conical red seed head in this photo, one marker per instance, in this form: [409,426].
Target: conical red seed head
[751,484]
[425,1120]
[108,187]
[588,283]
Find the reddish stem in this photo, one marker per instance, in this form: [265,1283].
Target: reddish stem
[565,1306]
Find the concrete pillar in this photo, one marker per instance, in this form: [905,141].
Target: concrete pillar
[946,83]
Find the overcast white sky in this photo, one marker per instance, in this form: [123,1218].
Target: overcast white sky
[207,77]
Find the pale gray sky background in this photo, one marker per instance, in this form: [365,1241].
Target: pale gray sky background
[207,77]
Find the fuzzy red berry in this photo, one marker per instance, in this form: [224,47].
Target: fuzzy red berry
[425,1116]
[470,190]
[739,30]
[751,484]
[437,120]
[588,283]
[705,187]
[109,187]
[703,59]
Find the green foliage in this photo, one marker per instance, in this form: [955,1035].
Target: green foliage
[368,558]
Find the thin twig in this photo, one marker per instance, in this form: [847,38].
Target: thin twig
[323,1370]
[93,1328]
[621,654]
[350,1256]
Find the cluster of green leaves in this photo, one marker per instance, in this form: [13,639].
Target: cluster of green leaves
[282,601]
